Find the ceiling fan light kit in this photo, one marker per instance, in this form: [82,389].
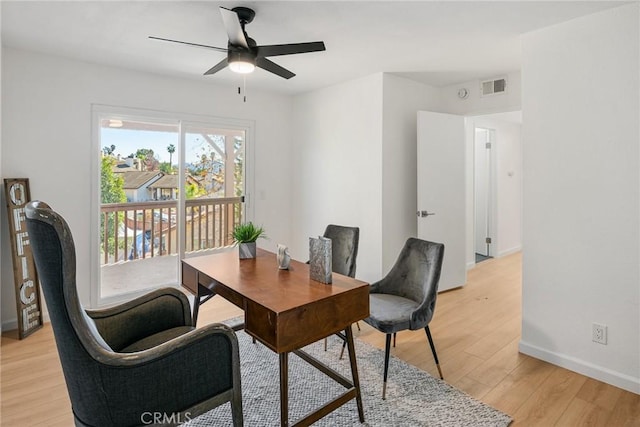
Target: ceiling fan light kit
[241,62]
[243,54]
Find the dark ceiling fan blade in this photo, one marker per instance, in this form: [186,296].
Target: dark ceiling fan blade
[274,68]
[233,27]
[219,49]
[289,49]
[219,66]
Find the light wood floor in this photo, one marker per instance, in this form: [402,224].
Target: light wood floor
[476,331]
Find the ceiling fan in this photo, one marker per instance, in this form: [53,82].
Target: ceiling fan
[243,54]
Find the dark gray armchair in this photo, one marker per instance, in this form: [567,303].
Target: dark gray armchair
[136,363]
[406,297]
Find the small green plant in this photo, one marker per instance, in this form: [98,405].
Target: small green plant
[247,233]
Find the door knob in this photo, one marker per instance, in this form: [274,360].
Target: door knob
[423,214]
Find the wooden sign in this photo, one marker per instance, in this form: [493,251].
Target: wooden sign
[24,271]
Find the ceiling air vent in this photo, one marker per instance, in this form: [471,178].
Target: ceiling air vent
[493,87]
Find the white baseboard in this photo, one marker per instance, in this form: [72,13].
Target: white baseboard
[509,251]
[12,324]
[599,373]
[471,265]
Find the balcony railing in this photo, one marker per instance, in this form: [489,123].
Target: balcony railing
[148,229]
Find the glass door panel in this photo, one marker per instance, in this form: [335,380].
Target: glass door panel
[214,185]
[138,205]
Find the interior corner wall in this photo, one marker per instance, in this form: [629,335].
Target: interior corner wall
[401,100]
[581,109]
[337,168]
[46,137]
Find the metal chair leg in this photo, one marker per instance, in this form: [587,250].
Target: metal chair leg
[433,349]
[358,325]
[325,344]
[387,349]
[394,340]
[344,345]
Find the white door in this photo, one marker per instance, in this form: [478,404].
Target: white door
[442,191]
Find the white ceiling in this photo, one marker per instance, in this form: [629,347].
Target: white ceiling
[436,42]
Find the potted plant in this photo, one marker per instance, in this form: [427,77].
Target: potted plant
[245,236]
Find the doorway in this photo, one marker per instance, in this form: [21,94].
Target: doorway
[483,191]
[494,186]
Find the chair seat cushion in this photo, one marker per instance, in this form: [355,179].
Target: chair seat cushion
[157,339]
[390,313]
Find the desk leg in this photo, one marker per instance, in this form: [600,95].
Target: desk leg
[354,371]
[284,389]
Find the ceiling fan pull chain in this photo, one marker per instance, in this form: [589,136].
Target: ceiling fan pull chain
[244,89]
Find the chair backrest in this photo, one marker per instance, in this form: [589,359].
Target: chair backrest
[415,276]
[76,337]
[344,248]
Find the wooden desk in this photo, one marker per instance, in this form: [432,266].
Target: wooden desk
[286,310]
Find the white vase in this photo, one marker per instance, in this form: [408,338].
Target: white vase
[247,250]
[284,259]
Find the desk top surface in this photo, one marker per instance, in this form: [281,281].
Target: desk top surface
[259,279]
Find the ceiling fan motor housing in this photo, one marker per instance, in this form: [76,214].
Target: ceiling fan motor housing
[241,56]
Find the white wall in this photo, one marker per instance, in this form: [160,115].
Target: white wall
[401,99]
[355,164]
[476,104]
[581,135]
[46,134]
[337,168]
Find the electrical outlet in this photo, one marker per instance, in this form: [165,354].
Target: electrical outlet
[599,333]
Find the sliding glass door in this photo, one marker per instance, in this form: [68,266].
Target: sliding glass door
[168,188]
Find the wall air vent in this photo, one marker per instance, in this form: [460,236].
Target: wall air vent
[493,87]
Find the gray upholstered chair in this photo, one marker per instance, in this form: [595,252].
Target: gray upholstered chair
[137,362]
[344,252]
[344,248]
[406,297]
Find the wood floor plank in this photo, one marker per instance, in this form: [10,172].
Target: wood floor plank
[626,412]
[494,369]
[582,413]
[472,387]
[599,394]
[517,387]
[547,404]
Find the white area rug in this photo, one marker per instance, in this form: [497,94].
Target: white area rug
[414,398]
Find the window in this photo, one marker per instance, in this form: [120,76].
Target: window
[166,188]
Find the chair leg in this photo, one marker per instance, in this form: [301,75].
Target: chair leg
[325,344]
[394,340]
[236,410]
[387,349]
[433,349]
[358,325]
[344,345]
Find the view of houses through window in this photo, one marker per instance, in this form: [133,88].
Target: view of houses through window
[156,206]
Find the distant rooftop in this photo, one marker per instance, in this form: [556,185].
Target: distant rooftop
[136,179]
